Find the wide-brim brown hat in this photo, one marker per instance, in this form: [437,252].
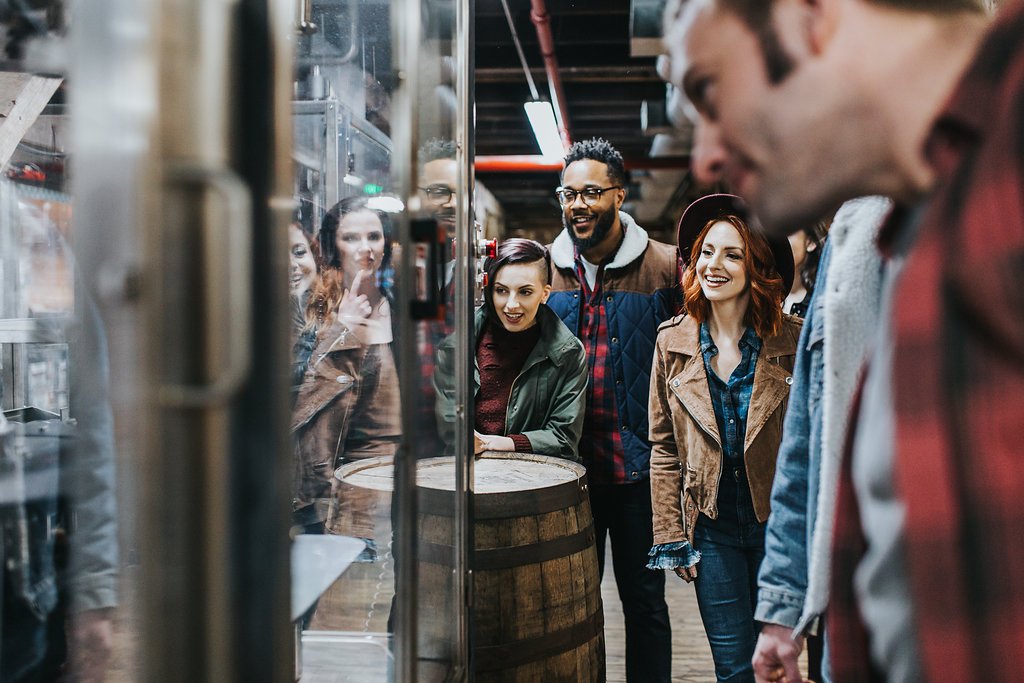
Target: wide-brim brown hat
[713,206]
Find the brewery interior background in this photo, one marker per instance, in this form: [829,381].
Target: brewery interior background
[154,154]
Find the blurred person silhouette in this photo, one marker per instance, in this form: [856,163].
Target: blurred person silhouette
[438,186]
[931,114]
[807,245]
[304,273]
[843,313]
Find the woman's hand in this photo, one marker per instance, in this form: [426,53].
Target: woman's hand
[491,442]
[687,574]
[354,308]
[364,283]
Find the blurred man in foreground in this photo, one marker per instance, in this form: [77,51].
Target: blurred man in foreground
[806,103]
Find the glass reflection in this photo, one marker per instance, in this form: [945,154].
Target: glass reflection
[438,180]
[345,411]
[59,550]
[347,422]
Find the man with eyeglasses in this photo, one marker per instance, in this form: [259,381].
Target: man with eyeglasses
[613,286]
[438,185]
[438,178]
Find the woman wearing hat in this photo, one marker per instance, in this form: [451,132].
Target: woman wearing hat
[719,385]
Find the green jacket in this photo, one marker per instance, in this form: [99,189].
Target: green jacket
[548,396]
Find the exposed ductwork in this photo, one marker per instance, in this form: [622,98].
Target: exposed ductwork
[529,163]
[602,79]
[645,27]
[541,21]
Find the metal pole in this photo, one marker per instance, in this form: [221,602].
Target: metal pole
[465,248]
[406,32]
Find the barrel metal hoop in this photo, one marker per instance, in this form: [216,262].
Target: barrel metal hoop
[512,556]
[509,655]
[528,503]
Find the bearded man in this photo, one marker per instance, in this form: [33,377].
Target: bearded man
[612,287]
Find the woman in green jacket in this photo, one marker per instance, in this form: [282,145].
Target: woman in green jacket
[531,371]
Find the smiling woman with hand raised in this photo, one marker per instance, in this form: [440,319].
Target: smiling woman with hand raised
[347,398]
[531,371]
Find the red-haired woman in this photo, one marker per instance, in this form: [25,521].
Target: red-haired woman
[719,385]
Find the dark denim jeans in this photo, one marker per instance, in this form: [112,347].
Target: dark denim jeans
[623,512]
[731,548]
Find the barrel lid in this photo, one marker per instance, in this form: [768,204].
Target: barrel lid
[493,473]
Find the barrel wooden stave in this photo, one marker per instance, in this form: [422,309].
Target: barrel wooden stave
[521,609]
[535,619]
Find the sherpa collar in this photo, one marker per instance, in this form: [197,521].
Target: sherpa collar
[633,246]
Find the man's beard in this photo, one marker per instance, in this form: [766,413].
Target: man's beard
[446,218]
[602,226]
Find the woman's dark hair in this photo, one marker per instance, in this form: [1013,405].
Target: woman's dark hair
[329,230]
[816,235]
[510,252]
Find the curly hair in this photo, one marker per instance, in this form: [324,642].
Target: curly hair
[599,149]
[436,148]
[764,313]
[324,298]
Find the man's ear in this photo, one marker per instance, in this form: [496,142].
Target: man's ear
[806,27]
[823,19]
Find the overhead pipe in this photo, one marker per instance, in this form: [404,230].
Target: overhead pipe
[542,22]
[535,163]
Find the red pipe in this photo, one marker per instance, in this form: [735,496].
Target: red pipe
[526,163]
[512,163]
[542,22]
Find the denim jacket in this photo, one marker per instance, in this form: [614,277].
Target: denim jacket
[782,581]
[793,579]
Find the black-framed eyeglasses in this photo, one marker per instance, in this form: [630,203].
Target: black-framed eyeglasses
[591,195]
[438,194]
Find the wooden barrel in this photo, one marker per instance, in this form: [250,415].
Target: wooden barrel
[536,591]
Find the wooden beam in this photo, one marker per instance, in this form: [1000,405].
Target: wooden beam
[22,98]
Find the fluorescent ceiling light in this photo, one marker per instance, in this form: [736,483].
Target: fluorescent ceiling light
[386,203]
[542,120]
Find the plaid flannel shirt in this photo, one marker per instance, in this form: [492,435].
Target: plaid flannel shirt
[603,455]
[427,442]
[958,383]
[731,398]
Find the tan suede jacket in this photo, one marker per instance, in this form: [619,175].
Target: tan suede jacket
[686,455]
